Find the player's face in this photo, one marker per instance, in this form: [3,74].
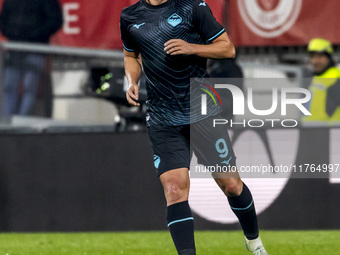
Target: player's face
[319,62]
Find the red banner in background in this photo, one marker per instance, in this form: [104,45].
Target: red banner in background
[95,24]
[283,22]
[91,24]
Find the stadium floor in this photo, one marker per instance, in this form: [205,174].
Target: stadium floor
[159,243]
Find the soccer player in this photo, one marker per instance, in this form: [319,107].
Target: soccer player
[171,40]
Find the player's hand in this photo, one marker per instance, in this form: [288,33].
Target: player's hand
[178,46]
[132,95]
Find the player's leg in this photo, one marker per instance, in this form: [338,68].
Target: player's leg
[172,160]
[176,184]
[212,147]
[242,204]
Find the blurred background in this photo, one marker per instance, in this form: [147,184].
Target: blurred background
[74,156]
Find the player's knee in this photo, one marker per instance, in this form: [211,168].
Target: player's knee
[175,193]
[232,188]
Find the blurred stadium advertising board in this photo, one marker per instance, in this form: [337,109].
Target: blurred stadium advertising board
[89,182]
[250,22]
[279,148]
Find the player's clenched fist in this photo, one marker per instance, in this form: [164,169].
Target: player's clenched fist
[132,94]
[178,46]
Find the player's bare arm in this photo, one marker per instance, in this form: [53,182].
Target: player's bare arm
[133,71]
[220,48]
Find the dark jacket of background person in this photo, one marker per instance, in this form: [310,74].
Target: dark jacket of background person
[227,68]
[30,20]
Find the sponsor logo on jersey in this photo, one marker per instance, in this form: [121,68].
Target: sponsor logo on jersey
[269,18]
[202,4]
[138,26]
[174,20]
[226,161]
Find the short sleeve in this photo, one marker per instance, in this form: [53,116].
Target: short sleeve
[205,21]
[128,42]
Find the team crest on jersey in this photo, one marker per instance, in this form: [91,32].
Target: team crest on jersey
[174,20]
[157,160]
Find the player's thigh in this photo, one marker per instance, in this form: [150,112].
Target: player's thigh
[170,147]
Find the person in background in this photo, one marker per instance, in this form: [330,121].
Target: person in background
[229,69]
[325,87]
[32,21]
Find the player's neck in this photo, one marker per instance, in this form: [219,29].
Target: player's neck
[156,2]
